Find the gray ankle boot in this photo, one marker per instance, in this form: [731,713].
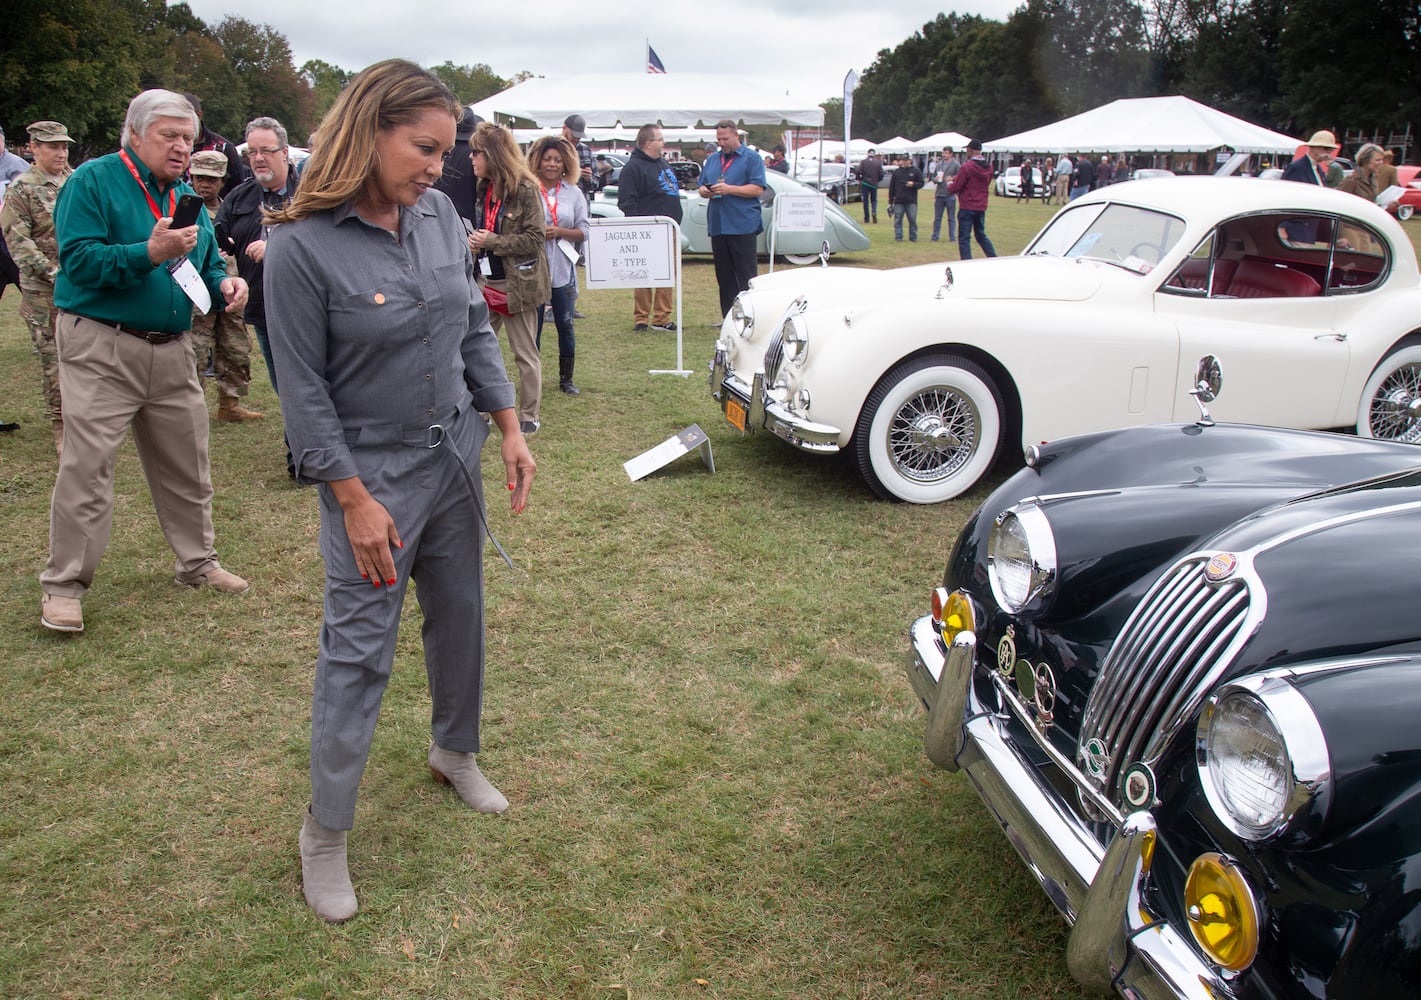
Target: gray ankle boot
[451,767]
[325,879]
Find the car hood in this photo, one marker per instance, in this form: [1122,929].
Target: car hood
[1118,520]
[856,290]
[1040,277]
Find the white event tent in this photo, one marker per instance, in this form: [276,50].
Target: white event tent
[618,134]
[939,141]
[1147,125]
[897,144]
[858,149]
[634,99]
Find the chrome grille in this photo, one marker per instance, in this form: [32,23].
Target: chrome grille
[1172,650]
[774,356]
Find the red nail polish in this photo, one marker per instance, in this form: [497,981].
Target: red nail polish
[510,486]
[400,544]
[364,576]
[390,582]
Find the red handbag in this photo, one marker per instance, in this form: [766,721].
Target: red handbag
[497,300]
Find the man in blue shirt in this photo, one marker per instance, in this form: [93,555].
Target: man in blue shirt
[733,180]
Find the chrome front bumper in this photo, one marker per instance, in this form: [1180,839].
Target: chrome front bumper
[762,412]
[1116,942]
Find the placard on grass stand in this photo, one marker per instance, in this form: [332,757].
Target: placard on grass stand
[638,252]
[795,213]
[668,451]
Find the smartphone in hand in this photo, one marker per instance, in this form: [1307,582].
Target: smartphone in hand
[186,213]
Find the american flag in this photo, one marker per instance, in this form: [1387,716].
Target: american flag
[653,61]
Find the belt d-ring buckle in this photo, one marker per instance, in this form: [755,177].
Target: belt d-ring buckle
[436,436]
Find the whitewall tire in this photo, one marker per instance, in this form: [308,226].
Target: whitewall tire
[1390,407]
[929,429]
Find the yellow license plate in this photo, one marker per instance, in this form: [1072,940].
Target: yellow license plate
[735,413]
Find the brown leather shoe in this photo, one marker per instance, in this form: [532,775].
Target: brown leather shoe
[219,579]
[62,614]
[231,411]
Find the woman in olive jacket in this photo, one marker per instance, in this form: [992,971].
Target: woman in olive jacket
[508,241]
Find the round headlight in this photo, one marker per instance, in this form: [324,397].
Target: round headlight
[742,316]
[1223,916]
[1248,764]
[1021,559]
[795,337]
[1263,760]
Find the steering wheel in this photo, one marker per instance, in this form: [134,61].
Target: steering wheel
[1145,245]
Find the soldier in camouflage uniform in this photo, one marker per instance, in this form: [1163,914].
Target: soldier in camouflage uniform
[221,334]
[28,223]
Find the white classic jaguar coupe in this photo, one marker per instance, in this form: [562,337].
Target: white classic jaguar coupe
[925,375]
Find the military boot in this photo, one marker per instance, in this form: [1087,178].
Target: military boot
[231,411]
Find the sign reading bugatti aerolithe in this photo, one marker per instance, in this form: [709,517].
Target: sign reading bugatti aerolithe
[632,253]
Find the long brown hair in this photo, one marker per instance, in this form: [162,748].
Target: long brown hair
[571,170]
[506,167]
[381,97]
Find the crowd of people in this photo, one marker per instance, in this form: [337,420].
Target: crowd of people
[377,281]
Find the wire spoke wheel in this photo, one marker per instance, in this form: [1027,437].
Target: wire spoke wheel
[929,429]
[1391,402]
[933,434]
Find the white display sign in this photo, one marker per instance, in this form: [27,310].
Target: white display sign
[631,253]
[692,438]
[799,213]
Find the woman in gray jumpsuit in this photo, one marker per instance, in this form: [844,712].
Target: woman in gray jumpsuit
[386,361]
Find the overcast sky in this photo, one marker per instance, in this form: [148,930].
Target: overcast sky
[807,46]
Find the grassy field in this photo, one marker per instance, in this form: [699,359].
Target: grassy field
[696,705]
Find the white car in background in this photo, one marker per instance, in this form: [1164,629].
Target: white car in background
[1008,183]
[925,375]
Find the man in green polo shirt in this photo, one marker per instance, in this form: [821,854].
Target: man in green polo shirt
[125,292]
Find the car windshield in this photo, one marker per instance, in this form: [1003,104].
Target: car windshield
[1133,238]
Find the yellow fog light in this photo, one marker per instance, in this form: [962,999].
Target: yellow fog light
[952,614]
[1222,915]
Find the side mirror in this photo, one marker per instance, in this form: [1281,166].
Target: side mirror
[1208,380]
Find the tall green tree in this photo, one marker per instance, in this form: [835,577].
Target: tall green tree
[325,81]
[1351,65]
[1088,52]
[202,68]
[261,57]
[54,69]
[470,83]
[1229,57]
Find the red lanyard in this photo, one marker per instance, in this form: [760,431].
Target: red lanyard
[551,203]
[491,213]
[172,192]
[726,159]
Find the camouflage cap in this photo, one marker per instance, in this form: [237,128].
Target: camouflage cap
[49,132]
[209,163]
